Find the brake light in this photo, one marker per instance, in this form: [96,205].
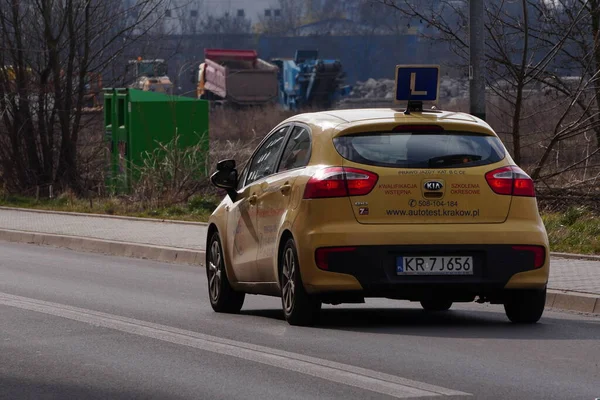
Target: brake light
[322,255]
[539,254]
[418,128]
[511,180]
[340,182]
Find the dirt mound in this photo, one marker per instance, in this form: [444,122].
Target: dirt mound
[385,88]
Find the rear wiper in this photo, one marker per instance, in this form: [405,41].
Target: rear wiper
[453,159]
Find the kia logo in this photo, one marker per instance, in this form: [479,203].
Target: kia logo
[433,185]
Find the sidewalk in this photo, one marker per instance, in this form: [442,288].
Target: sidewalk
[179,235]
[185,242]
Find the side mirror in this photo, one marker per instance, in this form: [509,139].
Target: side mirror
[226,177]
[226,165]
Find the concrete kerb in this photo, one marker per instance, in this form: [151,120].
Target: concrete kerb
[123,249]
[575,256]
[557,299]
[573,301]
[169,221]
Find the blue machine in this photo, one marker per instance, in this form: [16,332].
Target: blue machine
[307,81]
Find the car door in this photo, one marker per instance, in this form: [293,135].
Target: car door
[274,201]
[242,227]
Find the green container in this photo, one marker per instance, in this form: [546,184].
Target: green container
[137,121]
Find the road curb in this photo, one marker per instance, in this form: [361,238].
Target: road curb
[78,214]
[108,247]
[556,298]
[573,301]
[572,256]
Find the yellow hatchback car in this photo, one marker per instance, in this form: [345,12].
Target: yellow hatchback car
[335,207]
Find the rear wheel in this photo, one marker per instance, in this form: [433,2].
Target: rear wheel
[436,305]
[299,307]
[222,296]
[525,306]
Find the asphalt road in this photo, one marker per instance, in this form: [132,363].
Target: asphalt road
[79,325]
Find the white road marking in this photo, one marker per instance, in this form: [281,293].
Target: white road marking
[362,378]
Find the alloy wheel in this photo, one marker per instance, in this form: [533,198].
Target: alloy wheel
[289,271]
[214,271]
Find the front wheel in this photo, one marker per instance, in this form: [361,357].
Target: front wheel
[299,307]
[222,296]
[525,306]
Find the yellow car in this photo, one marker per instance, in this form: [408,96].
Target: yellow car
[335,207]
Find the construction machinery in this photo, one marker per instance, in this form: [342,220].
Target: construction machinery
[92,89]
[237,77]
[93,92]
[150,75]
[308,81]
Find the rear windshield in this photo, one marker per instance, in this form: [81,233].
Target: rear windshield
[420,150]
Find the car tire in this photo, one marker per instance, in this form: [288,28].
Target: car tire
[436,305]
[525,306]
[299,307]
[223,298]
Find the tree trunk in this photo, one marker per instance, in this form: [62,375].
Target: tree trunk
[595,14]
[521,76]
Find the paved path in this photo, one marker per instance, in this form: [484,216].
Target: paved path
[184,236]
[573,275]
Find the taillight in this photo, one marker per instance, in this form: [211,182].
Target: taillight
[322,255]
[340,182]
[510,180]
[539,254]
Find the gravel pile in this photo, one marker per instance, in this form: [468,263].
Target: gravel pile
[384,89]
[373,89]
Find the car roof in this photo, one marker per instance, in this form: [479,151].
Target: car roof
[334,121]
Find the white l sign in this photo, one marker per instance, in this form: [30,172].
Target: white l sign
[413,78]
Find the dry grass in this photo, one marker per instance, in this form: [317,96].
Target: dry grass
[234,134]
[197,208]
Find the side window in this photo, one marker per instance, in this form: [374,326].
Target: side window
[297,150]
[265,159]
[242,176]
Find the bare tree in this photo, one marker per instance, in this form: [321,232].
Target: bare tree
[372,17]
[50,52]
[190,17]
[580,57]
[290,16]
[226,24]
[531,46]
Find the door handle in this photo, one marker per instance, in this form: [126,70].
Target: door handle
[252,199]
[285,189]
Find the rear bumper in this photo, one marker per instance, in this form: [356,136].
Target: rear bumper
[371,271]
[374,267]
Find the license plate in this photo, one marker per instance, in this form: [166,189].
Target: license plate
[425,265]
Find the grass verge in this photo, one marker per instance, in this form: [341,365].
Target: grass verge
[197,209]
[575,230]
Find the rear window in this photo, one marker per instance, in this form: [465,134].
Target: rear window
[420,150]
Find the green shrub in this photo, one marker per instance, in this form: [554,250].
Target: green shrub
[19,201]
[110,207]
[202,203]
[175,211]
[572,215]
